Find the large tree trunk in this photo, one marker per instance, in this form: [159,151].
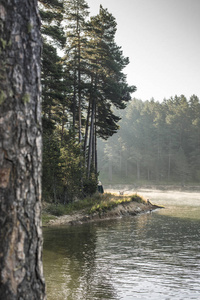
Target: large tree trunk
[21,272]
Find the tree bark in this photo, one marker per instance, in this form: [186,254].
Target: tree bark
[74,103]
[79,93]
[86,133]
[21,271]
[95,143]
[91,139]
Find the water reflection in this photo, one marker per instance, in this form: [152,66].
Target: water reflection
[151,256]
[69,265]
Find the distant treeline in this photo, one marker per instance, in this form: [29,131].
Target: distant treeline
[157,142]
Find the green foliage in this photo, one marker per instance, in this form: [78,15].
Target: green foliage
[81,83]
[57,210]
[90,185]
[46,218]
[65,209]
[156,143]
[95,203]
[139,199]
[106,64]
[63,169]
[71,168]
[51,176]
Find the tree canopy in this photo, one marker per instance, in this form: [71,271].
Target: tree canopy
[83,80]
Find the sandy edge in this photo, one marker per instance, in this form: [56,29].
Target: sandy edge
[125,209]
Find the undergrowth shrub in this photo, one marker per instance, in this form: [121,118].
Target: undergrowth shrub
[96,203]
[139,199]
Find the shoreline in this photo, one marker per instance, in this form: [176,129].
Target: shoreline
[122,210]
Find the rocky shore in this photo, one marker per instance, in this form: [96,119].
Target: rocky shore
[125,209]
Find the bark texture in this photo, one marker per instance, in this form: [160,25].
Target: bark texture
[21,272]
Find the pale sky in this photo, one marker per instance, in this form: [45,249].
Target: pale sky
[162,40]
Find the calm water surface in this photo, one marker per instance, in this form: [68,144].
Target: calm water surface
[151,256]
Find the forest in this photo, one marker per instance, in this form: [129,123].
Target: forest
[82,83]
[158,142]
[91,127]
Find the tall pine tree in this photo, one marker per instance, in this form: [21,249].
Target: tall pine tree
[108,82]
[76,12]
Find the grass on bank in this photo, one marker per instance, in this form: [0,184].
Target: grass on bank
[114,201]
[96,203]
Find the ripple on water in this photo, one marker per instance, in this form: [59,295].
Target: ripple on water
[151,256]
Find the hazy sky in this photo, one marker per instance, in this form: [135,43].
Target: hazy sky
[162,40]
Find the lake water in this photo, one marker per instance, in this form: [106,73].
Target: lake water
[150,256]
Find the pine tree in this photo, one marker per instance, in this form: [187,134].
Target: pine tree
[53,85]
[56,86]
[76,12]
[108,83]
[20,152]
[79,90]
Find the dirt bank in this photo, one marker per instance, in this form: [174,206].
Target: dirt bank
[125,209]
